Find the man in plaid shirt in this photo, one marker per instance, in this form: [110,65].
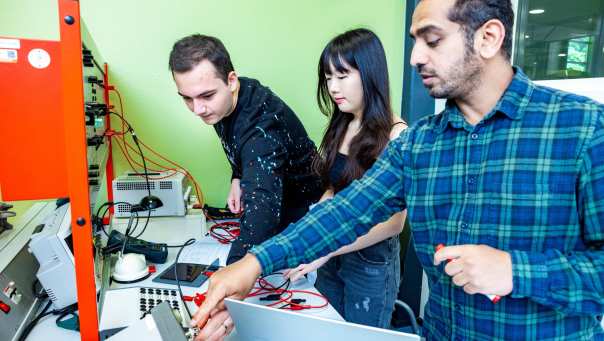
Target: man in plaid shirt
[510,176]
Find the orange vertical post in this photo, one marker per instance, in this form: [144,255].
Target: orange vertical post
[72,96]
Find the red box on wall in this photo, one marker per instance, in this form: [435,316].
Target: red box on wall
[32,141]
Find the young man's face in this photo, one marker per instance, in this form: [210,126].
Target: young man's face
[206,94]
[449,69]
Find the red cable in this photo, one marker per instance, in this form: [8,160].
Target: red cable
[297,306]
[184,171]
[124,154]
[265,287]
[178,166]
[163,168]
[231,228]
[167,160]
[129,158]
[121,115]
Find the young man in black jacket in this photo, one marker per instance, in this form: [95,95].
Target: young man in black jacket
[269,151]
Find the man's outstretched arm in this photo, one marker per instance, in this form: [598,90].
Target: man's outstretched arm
[327,227]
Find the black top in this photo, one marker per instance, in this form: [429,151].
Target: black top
[271,153]
[336,172]
[378,250]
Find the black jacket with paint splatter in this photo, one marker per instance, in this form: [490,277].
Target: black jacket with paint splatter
[271,153]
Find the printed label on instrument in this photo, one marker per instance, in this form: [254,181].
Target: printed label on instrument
[6,43]
[8,56]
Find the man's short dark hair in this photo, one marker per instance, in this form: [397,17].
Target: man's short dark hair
[472,14]
[190,51]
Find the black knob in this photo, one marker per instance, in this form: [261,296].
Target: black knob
[4,215]
[81,221]
[69,20]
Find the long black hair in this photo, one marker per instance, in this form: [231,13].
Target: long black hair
[362,50]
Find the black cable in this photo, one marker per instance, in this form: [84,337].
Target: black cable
[279,290]
[121,118]
[30,326]
[296,301]
[146,171]
[144,227]
[133,215]
[409,312]
[217,213]
[230,228]
[107,205]
[285,284]
[137,217]
[175,246]
[135,139]
[187,243]
[98,210]
[140,150]
[36,292]
[225,239]
[135,223]
[101,218]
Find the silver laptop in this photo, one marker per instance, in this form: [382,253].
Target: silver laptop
[259,323]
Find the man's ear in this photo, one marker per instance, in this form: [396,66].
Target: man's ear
[232,79]
[489,38]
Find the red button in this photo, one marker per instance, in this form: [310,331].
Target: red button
[4,307]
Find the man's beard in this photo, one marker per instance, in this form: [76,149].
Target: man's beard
[463,78]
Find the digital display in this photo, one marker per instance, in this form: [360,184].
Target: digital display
[187,272]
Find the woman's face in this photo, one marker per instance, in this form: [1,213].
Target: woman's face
[346,89]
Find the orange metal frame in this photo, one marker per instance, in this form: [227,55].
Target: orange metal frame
[55,121]
[77,169]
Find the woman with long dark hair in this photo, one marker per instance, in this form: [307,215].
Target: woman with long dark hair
[360,280]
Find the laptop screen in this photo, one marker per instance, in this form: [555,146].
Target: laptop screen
[259,323]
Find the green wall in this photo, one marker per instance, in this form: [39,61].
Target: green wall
[35,19]
[276,41]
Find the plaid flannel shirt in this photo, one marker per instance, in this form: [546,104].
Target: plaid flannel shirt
[528,179]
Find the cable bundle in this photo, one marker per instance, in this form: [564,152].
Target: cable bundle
[276,294]
[281,294]
[126,148]
[225,232]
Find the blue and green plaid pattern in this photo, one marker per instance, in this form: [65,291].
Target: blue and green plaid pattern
[528,179]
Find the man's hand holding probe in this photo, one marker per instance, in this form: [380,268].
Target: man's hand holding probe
[234,281]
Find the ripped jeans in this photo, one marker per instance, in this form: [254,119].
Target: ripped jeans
[363,285]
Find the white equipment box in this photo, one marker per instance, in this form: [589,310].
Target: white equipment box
[53,248]
[168,186]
